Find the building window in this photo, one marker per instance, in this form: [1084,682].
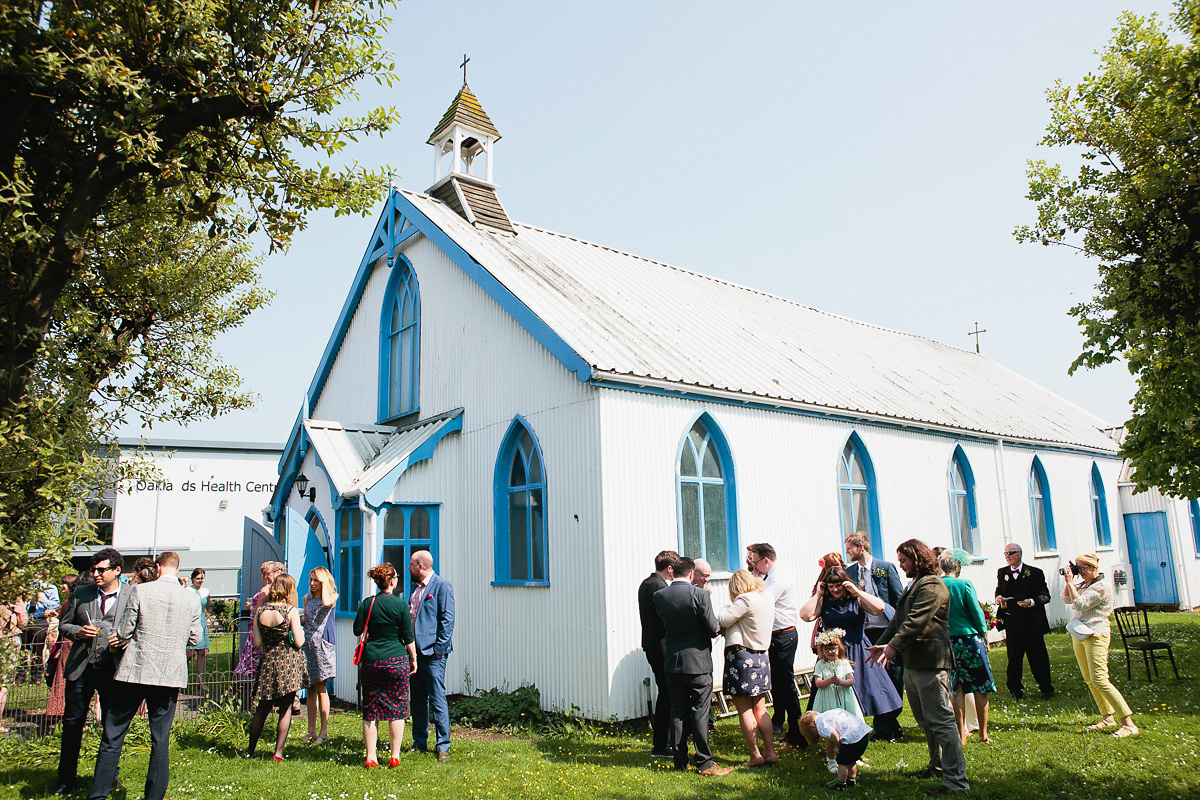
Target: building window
[399,345]
[1040,509]
[1194,512]
[522,555]
[1099,510]
[707,502]
[349,559]
[407,529]
[963,520]
[856,493]
[98,517]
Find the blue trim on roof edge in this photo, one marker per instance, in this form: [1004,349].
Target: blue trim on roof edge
[378,492]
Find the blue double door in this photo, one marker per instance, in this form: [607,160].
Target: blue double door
[1150,558]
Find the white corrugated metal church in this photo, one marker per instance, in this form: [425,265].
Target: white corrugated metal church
[545,414]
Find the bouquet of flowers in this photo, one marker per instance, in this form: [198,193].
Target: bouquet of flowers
[989,613]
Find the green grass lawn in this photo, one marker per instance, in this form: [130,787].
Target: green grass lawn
[1040,750]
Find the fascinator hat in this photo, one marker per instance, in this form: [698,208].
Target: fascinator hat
[960,556]
[1091,559]
[830,636]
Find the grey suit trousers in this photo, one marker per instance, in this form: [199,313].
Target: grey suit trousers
[929,699]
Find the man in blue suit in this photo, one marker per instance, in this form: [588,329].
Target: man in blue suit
[432,606]
[881,579]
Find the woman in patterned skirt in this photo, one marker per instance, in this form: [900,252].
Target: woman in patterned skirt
[972,670]
[319,649]
[389,658]
[746,623]
[281,669]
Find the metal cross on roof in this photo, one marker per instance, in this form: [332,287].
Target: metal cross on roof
[464,68]
[976,333]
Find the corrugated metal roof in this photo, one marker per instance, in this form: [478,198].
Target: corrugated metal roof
[639,321]
[465,108]
[357,458]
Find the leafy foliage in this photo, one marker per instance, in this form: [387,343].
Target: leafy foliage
[142,144]
[1134,206]
[497,708]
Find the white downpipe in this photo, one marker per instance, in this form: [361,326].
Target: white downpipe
[1002,486]
[368,543]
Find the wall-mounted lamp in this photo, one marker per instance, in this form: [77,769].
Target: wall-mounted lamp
[302,488]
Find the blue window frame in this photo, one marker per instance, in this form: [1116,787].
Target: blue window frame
[1099,509]
[1194,513]
[399,344]
[1041,510]
[858,499]
[407,529]
[706,496]
[521,549]
[349,570]
[964,523]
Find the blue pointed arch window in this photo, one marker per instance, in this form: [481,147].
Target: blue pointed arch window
[705,491]
[964,522]
[521,548]
[399,344]
[858,499]
[1041,510]
[1194,513]
[1099,509]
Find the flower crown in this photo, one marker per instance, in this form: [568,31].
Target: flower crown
[830,636]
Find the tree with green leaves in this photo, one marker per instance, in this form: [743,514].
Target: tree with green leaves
[1133,205]
[142,145]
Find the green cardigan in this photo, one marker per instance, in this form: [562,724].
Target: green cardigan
[390,629]
[966,617]
[919,631]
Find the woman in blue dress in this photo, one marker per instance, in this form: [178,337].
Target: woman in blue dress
[839,603]
[200,650]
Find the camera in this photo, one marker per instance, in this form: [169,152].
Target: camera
[1069,569]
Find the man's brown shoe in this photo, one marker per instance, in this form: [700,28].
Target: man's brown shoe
[715,772]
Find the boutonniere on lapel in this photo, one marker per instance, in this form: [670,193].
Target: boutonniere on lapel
[879,572]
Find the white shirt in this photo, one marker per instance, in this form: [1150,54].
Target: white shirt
[849,728]
[783,589]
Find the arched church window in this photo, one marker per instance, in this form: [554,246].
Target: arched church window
[706,497]
[522,555]
[857,496]
[1040,508]
[399,344]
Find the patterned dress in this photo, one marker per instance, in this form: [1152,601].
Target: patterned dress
[281,669]
[747,672]
[319,653]
[834,696]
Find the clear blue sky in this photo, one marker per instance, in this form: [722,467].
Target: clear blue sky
[867,159]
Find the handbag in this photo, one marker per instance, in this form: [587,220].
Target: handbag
[1078,629]
[362,639]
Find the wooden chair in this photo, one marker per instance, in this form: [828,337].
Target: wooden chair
[1134,627]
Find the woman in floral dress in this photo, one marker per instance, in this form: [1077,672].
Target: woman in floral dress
[281,669]
[972,669]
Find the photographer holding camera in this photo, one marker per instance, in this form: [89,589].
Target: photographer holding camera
[1091,602]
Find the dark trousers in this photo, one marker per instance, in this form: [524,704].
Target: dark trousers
[691,700]
[887,726]
[429,693]
[160,711]
[782,656]
[661,721]
[78,699]
[1021,645]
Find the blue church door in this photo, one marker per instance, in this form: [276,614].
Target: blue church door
[1150,557]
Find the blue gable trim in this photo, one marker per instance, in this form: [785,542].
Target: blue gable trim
[377,493]
[289,465]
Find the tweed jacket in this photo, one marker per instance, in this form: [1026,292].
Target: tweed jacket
[690,623]
[888,587]
[84,608]
[161,619]
[920,631]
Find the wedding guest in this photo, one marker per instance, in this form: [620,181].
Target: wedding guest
[319,649]
[846,739]
[281,672]
[199,652]
[247,666]
[389,660]
[1021,599]
[881,579]
[972,668]
[746,623]
[1091,603]
[12,623]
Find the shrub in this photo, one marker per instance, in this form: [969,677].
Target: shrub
[497,708]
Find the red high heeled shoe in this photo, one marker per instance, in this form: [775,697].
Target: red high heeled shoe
[277,759]
[395,762]
[372,763]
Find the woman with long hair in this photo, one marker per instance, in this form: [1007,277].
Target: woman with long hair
[199,651]
[281,669]
[319,649]
[972,669]
[746,623]
[389,658]
[247,666]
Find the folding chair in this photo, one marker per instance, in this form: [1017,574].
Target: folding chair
[1133,623]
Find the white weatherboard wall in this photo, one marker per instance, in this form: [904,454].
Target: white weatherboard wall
[786,475]
[1183,539]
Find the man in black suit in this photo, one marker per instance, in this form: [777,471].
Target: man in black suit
[690,626]
[89,621]
[881,579]
[1021,598]
[654,648]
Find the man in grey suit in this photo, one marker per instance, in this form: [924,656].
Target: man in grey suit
[159,621]
[690,624]
[88,621]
